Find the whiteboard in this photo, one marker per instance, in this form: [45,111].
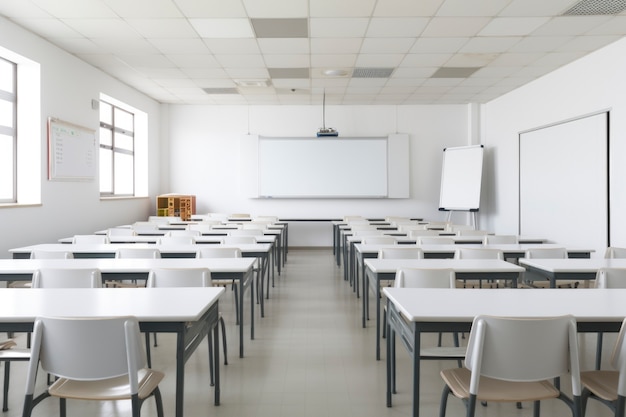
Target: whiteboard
[563,183]
[461,178]
[324,167]
[71,151]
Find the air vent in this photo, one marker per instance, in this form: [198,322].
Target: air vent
[372,72]
[222,90]
[596,7]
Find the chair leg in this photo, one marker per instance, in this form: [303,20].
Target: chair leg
[224,345]
[235,288]
[62,407]
[211,363]
[536,408]
[444,401]
[155,340]
[5,393]
[471,406]
[159,401]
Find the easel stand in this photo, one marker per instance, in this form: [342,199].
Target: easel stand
[473,220]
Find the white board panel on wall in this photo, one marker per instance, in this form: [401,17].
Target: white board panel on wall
[461,178]
[398,166]
[325,167]
[563,190]
[72,151]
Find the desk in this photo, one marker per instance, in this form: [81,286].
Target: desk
[191,313]
[107,250]
[570,269]
[377,270]
[239,269]
[412,311]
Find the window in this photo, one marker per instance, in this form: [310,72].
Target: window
[8,131]
[117,151]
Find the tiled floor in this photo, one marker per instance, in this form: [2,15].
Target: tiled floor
[310,357]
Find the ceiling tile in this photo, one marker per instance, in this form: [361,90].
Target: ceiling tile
[77,45]
[516,59]
[570,25]
[472,8]
[438,45]
[343,8]
[284,46]
[211,8]
[49,28]
[222,28]
[512,26]
[386,45]
[471,60]
[407,8]
[22,10]
[379,60]
[163,28]
[248,73]
[276,8]
[338,27]
[102,28]
[64,9]
[419,72]
[194,60]
[333,60]
[399,27]
[233,46]
[289,72]
[144,8]
[588,43]
[489,45]
[336,45]
[179,46]
[537,7]
[540,43]
[280,28]
[125,45]
[454,26]
[613,26]
[240,61]
[424,60]
[287,61]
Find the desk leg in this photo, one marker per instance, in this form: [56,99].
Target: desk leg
[180,371]
[390,334]
[377,320]
[365,298]
[251,313]
[216,361]
[416,371]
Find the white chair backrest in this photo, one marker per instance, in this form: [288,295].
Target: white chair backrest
[611,278]
[121,231]
[268,219]
[407,228]
[434,240]
[138,253]
[210,222]
[214,251]
[523,349]
[500,240]
[367,232]
[67,278]
[52,254]
[618,359]
[145,227]
[425,278]
[87,349]
[414,234]
[400,253]
[470,232]
[200,227]
[458,227]
[379,240]
[546,253]
[239,240]
[361,226]
[192,233]
[246,232]
[614,252]
[90,239]
[164,219]
[255,225]
[176,240]
[175,277]
[478,253]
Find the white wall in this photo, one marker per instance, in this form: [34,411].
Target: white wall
[591,84]
[67,87]
[204,155]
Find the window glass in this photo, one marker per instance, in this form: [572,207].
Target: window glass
[106,171]
[123,171]
[124,120]
[6,167]
[7,74]
[117,146]
[7,118]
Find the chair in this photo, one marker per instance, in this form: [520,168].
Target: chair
[176,240]
[537,281]
[506,363]
[93,359]
[246,232]
[121,231]
[187,277]
[401,253]
[379,240]
[223,252]
[608,386]
[417,233]
[434,240]
[90,239]
[500,240]
[44,254]
[8,354]
[67,278]
[471,232]
[479,253]
[188,233]
[614,252]
[201,228]
[239,240]
[146,228]
[132,253]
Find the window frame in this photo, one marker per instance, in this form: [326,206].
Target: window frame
[115,129]
[11,131]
